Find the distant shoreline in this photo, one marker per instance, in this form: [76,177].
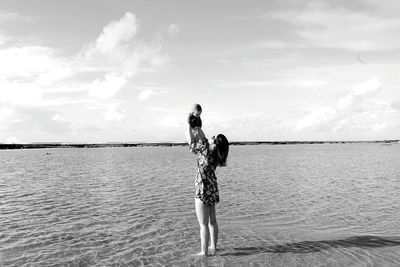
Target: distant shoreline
[170,144]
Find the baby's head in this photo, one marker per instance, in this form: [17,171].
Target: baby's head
[196,109]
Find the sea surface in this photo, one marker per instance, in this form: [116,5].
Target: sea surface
[281,205]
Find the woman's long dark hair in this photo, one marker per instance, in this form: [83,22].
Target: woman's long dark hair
[222,147]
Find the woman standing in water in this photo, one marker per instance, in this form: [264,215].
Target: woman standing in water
[210,154]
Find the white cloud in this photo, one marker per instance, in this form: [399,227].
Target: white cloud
[28,121]
[145,94]
[315,117]
[172,121]
[250,127]
[7,18]
[35,78]
[395,105]
[142,59]
[26,61]
[27,72]
[3,39]
[13,140]
[21,93]
[118,50]
[276,44]
[149,91]
[5,114]
[168,110]
[30,74]
[325,25]
[355,111]
[58,73]
[358,93]
[173,31]
[12,17]
[114,113]
[108,86]
[274,83]
[58,117]
[116,33]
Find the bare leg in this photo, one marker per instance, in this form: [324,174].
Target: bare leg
[203,216]
[213,225]
[201,134]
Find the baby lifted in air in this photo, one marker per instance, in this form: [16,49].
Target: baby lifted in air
[195,132]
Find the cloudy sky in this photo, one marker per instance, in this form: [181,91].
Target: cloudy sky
[126,71]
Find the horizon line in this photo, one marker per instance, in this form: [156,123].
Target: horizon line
[184,142]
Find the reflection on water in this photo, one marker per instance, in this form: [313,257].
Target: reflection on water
[290,205]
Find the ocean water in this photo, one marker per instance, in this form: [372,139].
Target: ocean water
[283,205]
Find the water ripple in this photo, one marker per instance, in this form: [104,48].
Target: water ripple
[307,205]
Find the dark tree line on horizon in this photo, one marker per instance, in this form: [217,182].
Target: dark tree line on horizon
[170,144]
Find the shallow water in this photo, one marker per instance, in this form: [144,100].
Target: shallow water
[284,205]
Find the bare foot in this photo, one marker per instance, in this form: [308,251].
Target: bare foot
[201,254]
[212,250]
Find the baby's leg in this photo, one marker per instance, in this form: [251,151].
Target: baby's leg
[194,138]
[200,134]
[195,135]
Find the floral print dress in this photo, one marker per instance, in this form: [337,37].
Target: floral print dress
[206,181]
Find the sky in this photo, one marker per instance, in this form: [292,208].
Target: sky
[129,71]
